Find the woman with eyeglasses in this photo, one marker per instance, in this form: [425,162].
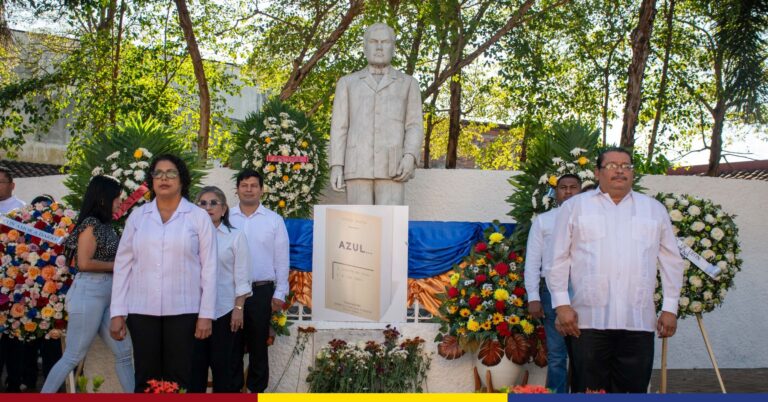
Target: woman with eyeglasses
[223,350]
[93,245]
[164,286]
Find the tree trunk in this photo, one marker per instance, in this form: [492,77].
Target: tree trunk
[454,123]
[202,83]
[641,38]
[716,144]
[524,145]
[413,55]
[606,95]
[663,85]
[116,62]
[5,33]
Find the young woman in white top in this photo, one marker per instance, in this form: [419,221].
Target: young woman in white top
[165,277]
[223,350]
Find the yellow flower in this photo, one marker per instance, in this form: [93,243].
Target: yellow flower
[296,166]
[501,294]
[527,327]
[271,168]
[304,144]
[485,292]
[147,196]
[519,259]
[583,160]
[497,318]
[495,237]
[281,204]
[455,279]
[461,331]
[480,261]
[267,140]
[479,307]
[138,154]
[493,273]
[502,282]
[553,180]
[453,309]
[47,312]
[486,325]
[463,292]
[464,312]
[473,325]
[513,276]
[3,319]
[286,178]
[66,220]
[513,319]
[282,320]
[518,302]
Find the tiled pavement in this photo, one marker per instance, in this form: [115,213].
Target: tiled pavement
[705,381]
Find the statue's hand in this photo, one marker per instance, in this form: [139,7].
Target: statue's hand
[337,178]
[406,168]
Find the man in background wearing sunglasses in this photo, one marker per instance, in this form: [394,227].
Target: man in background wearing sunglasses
[607,244]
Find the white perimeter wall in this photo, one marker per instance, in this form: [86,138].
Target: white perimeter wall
[736,330]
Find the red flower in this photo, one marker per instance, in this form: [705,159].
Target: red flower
[540,333]
[40,225]
[59,324]
[19,279]
[488,257]
[42,302]
[512,256]
[480,278]
[474,301]
[480,247]
[519,292]
[502,268]
[453,293]
[501,305]
[503,329]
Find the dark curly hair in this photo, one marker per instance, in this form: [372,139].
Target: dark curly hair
[184,176]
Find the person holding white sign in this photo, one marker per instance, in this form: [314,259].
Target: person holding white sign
[607,244]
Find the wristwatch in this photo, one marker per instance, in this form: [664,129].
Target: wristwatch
[239,307]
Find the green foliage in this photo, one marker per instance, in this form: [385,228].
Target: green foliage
[279,130]
[114,154]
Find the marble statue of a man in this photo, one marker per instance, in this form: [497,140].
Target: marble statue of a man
[376,128]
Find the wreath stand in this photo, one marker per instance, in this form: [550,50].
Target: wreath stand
[663,382]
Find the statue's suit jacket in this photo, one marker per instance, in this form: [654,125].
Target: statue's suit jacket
[375,124]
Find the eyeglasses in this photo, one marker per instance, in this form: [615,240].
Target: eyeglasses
[167,174]
[614,166]
[204,203]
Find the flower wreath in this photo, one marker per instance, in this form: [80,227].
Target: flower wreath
[581,166]
[34,276]
[710,232]
[485,306]
[125,154]
[283,145]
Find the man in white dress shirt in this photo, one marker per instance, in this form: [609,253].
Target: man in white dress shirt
[269,247]
[7,201]
[538,260]
[607,243]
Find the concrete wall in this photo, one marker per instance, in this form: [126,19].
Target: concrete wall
[736,330]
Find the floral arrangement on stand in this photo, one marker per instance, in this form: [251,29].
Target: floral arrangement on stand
[34,275]
[125,154]
[364,367]
[710,232]
[283,145]
[485,307]
[580,165]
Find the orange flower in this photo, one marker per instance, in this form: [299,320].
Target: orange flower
[54,206]
[47,216]
[30,326]
[33,273]
[286,178]
[45,256]
[21,249]
[3,319]
[267,140]
[281,204]
[17,310]
[9,283]
[50,287]
[59,232]
[11,272]
[48,272]
[13,235]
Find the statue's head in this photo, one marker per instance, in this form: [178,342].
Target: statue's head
[379,44]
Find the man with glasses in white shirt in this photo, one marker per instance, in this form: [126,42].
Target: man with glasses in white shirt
[607,243]
[269,246]
[538,260]
[7,200]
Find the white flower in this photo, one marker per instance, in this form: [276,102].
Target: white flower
[546,200]
[305,189]
[309,166]
[285,124]
[142,164]
[730,257]
[576,151]
[139,175]
[717,234]
[689,241]
[113,155]
[675,230]
[131,184]
[145,153]
[684,301]
[696,307]
[693,210]
[684,202]
[32,258]
[695,281]
[707,295]
[697,226]
[708,254]
[686,264]
[113,167]
[656,297]
[675,215]
[709,219]
[723,292]
[706,242]
[669,202]
[557,160]
[722,265]
[117,172]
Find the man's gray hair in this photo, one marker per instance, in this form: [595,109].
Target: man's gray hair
[376,26]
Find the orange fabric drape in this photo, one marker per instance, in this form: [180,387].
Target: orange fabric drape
[423,290]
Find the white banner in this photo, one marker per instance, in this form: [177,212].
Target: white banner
[686,252]
[4,220]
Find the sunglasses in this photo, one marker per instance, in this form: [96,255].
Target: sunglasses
[204,203]
[168,174]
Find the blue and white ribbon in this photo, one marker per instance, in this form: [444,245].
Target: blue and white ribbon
[4,220]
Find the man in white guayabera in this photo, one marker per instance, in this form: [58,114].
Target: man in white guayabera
[376,128]
[607,242]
